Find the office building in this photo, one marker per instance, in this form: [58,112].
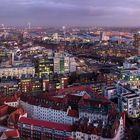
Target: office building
[17,71]
[137,42]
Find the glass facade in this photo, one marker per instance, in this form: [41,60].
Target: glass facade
[62,66]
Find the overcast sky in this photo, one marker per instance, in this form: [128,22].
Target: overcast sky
[70,12]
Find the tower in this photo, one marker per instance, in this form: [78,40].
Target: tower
[64,33]
[29,25]
[4,30]
[101,36]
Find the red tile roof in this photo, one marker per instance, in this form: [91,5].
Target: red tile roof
[73,113]
[12,133]
[14,116]
[13,98]
[86,96]
[70,138]
[46,124]
[70,96]
[3,110]
[71,90]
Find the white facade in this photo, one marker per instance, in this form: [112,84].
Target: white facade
[130,104]
[110,92]
[72,64]
[12,104]
[93,116]
[56,64]
[46,130]
[128,65]
[128,101]
[17,71]
[58,55]
[69,64]
[133,110]
[47,114]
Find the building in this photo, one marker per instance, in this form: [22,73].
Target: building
[137,42]
[67,64]
[128,100]
[42,130]
[29,84]
[130,74]
[103,37]
[8,86]
[111,78]
[17,71]
[130,104]
[58,63]
[10,115]
[57,112]
[110,92]
[8,133]
[72,105]
[62,65]
[132,78]
[98,131]
[44,66]
[12,101]
[72,64]
[13,117]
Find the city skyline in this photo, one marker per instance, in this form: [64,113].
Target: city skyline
[69,70]
[70,13]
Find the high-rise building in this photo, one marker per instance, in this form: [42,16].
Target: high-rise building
[72,64]
[56,64]
[103,37]
[67,64]
[62,67]
[137,42]
[64,64]
[45,66]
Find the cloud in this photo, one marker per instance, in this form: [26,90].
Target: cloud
[71,12]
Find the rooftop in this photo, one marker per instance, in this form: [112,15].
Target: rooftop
[46,124]
[62,99]
[99,127]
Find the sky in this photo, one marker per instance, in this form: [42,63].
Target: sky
[70,12]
